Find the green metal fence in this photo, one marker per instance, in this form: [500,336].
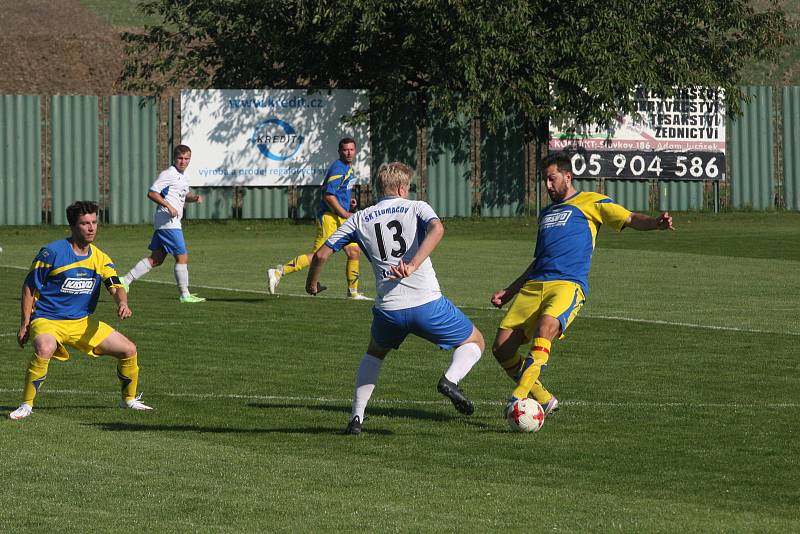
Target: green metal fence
[20,160]
[751,153]
[132,155]
[790,99]
[75,168]
[110,149]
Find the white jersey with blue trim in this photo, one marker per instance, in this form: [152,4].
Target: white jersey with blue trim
[387,232]
[173,186]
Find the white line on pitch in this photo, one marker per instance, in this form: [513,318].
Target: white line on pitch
[486,308]
[323,400]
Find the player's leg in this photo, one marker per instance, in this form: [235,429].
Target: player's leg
[506,350]
[324,228]
[444,324]
[145,265]
[44,346]
[369,370]
[547,329]
[387,332]
[352,272]
[172,243]
[182,279]
[516,329]
[561,302]
[298,263]
[124,350]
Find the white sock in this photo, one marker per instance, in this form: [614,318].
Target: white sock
[138,271]
[182,278]
[464,358]
[366,379]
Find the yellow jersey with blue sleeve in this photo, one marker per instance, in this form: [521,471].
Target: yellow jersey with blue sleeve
[567,234]
[66,285]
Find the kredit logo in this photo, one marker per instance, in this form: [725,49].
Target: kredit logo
[276,139]
[78,286]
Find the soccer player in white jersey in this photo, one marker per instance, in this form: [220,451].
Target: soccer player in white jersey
[170,192]
[398,235]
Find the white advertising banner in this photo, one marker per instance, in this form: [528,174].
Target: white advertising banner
[676,138]
[269,137]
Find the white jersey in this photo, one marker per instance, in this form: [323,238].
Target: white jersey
[387,232]
[173,186]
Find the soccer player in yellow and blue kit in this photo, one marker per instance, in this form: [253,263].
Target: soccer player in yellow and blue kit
[59,296]
[335,208]
[553,288]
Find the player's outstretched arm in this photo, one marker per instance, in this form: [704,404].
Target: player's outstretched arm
[640,221]
[315,270]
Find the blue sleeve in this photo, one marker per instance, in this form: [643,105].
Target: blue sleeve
[40,269]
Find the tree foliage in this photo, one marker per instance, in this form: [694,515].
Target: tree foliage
[542,58]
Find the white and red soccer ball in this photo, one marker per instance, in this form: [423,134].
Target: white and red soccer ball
[525,415]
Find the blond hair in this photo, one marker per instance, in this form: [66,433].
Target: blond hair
[392,176]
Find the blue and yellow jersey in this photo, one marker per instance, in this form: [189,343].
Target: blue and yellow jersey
[66,285]
[339,181]
[567,233]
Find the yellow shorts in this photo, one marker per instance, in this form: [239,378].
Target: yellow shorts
[326,225]
[560,299]
[83,334]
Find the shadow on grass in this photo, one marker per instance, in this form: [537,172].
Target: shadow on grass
[375,411]
[139,427]
[245,300]
[5,410]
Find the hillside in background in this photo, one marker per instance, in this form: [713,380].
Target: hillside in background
[73,47]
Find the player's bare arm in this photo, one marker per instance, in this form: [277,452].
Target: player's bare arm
[315,269]
[121,298]
[500,298]
[193,197]
[433,236]
[640,221]
[26,308]
[337,208]
[158,199]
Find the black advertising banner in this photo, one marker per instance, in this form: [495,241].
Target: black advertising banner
[648,165]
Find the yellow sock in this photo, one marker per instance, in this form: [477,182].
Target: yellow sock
[512,365]
[128,374]
[540,394]
[36,374]
[539,354]
[296,264]
[352,275]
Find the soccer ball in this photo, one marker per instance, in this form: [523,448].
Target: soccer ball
[525,415]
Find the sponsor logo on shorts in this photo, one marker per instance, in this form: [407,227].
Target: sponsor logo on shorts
[558,218]
[78,286]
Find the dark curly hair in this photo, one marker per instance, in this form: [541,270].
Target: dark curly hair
[78,208]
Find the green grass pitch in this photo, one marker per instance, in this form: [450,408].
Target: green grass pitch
[679,385]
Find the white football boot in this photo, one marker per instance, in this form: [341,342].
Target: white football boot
[134,404]
[22,412]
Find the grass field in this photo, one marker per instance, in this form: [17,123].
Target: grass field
[679,386]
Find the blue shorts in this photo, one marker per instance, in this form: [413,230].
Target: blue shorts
[439,322]
[170,240]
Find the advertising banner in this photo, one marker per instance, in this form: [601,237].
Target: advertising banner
[269,137]
[675,138]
